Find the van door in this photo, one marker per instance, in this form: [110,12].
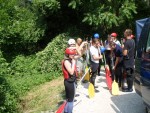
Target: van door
[140,54]
[145,73]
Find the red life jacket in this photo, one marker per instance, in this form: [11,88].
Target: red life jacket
[65,72]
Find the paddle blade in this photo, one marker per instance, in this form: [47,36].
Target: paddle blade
[87,76]
[91,90]
[61,108]
[108,78]
[115,88]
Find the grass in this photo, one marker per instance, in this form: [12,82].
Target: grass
[43,98]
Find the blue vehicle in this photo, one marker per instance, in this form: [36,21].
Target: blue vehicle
[142,61]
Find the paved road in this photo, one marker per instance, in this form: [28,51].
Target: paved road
[104,102]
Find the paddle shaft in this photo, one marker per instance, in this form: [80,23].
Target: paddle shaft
[84,75]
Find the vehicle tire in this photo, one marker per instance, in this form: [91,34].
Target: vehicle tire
[147,110]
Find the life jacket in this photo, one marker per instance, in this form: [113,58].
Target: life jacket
[65,72]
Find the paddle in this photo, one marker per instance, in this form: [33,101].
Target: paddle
[108,74]
[61,108]
[115,88]
[87,77]
[91,90]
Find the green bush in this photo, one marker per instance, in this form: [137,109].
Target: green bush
[25,72]
[8,102]
[32,70]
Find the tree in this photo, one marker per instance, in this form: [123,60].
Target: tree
[105,13]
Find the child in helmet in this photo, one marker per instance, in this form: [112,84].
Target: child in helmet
[70,73]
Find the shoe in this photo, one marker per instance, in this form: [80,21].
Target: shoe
[95,86]
[130,90]
[75,100]
[77,95]
[124,89]
[97,91]
[127,90]
[99,74]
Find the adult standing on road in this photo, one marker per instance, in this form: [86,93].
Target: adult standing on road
[70,73]
[97,36]
[95,57]
[118,62]
[128,53]
[108,51]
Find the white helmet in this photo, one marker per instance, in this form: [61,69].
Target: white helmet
[71,41]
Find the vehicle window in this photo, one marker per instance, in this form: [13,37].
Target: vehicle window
[148,43]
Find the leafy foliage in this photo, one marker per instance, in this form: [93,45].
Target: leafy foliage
[8,102]
[23,73]
[110,13]
[36,69]
[18,23]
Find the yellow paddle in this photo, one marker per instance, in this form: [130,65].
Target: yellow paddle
[87,76]
[91,90]
[115,88]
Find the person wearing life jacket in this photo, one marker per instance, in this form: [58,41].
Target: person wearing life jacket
[114,38]
[70,74]
[78,47]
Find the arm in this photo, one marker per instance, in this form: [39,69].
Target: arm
[68,66]
[116,62]
[80,49]
[97,57]
[125,50]
[78,52]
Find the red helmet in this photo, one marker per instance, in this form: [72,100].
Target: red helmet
[70,51]
[132,36]
[114,34]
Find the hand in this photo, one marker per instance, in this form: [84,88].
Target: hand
[74,48]
[85,42]
[101,56]
[114,67]
[73,61]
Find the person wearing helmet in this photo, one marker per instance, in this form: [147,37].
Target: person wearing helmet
[72,45]
[97,36]
[117,57]
[114,38]
[70,73]
[95,57]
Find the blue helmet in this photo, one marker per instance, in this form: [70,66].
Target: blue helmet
[96,35]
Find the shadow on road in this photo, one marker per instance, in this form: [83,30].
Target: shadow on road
[128,103]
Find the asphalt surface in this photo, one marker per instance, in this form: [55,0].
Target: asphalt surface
[105,102]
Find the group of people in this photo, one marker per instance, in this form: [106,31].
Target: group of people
[119,58]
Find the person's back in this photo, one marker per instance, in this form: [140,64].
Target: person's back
[129,59]
[128,52]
